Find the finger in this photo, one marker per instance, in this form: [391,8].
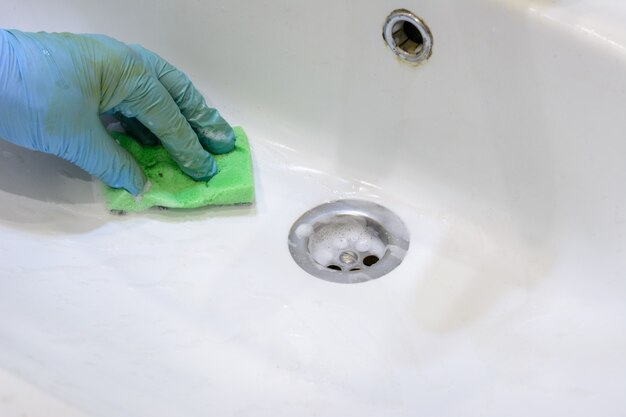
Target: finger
[98,154]
[215,134]
[152,105]
[134,128]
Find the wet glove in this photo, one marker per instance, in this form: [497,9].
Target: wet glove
[54,87]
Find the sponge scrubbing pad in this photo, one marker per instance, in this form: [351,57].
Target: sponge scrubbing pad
[170,187]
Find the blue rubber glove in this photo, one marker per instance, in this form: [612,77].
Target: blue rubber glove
[54,87]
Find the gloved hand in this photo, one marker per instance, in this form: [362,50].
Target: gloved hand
[54,87]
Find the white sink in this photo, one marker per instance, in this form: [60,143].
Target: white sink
[504,154]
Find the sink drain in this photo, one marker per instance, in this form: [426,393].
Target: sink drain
[348,241]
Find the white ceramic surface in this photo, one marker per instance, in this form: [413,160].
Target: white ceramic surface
[505,155]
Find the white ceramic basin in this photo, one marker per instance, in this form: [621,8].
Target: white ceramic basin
[505,155]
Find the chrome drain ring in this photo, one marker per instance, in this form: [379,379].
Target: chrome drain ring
[408,36]
[348,241]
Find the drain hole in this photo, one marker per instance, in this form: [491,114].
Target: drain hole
[334,267]
[408,37]
[370,260]
[355,269]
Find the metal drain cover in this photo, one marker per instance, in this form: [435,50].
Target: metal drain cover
[348,241]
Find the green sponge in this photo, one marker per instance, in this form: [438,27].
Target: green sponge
[233,183]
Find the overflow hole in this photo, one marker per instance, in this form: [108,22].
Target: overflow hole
[408,37]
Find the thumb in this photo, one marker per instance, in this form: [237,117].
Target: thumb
[101,156]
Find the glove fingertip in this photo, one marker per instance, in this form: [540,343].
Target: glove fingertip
[217,140]
[133,181]
[138,184]
[208,171]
